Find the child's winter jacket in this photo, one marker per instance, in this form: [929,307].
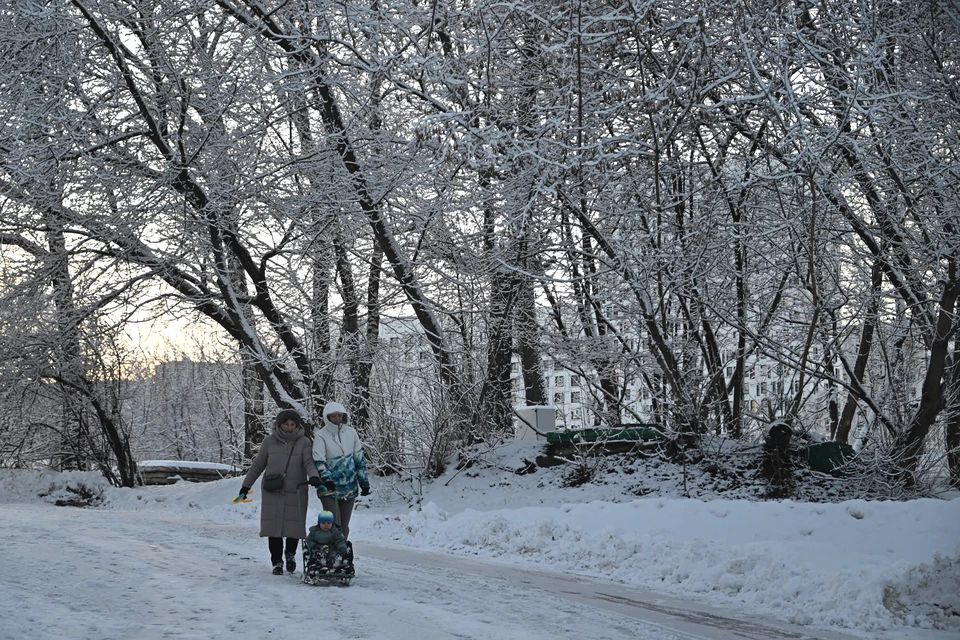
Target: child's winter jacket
[333,538]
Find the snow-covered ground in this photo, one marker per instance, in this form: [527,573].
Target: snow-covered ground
[181,561]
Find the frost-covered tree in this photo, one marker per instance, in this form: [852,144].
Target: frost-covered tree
[746,209]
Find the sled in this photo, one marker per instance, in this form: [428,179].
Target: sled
[342,579]
[320,566]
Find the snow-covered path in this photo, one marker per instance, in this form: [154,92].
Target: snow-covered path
[681,617]
[103,573]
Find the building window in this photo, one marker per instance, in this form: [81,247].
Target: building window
[729,372]
[558,381]
[574,381]
[575,396]
[763,388]
[558,398]
[575,414]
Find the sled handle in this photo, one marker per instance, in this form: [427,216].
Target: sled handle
[319,493]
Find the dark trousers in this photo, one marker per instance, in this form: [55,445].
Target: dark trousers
[341,510]
[277,548]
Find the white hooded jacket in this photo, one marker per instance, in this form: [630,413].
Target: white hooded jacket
[338,454]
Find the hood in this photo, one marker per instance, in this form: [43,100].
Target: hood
[334,407]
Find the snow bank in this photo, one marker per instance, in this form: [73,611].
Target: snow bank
[186,464]
[862,565]
[23,485]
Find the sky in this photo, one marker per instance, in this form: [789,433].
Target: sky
[482,552]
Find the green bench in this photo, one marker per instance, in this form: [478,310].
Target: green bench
[638,433]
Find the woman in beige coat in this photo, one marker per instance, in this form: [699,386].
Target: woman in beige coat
[283,513]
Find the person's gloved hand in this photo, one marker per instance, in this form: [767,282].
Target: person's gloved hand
[242,495]
[314,481]
[329,485]
[365,490]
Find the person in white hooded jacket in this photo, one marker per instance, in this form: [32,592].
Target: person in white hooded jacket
[338,454]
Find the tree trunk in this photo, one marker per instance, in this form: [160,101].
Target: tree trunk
[496,415]
[349,348]
[909,445]
[320,270]
[253,427]
[361,411]
[528,345]
[952,428]
[67,349]
[863,354]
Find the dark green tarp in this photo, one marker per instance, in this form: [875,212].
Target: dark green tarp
[829,457]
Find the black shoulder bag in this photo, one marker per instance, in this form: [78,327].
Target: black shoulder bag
[274,481]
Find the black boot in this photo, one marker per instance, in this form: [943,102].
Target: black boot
[291,562]
[278,568]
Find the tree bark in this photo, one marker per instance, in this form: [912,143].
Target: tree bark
[863,354]
[952,427]
[361,413]
[909,445]
[496,415]
[528,345]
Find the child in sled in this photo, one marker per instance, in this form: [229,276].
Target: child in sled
[325,549]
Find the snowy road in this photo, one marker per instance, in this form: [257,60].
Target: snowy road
[114,574]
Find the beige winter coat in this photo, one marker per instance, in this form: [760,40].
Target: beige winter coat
[279,516]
